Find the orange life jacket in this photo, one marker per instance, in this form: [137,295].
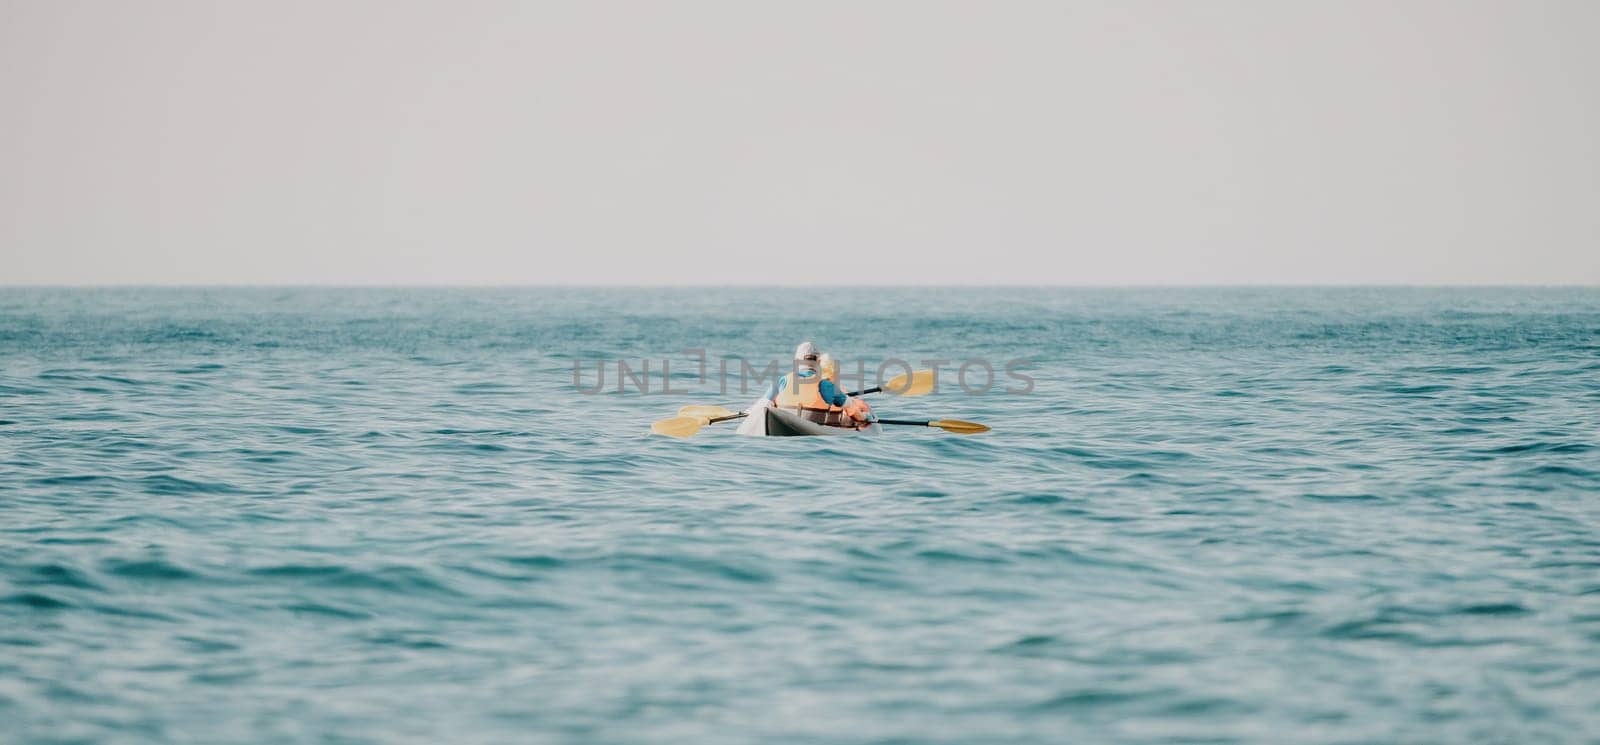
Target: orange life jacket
[795,391]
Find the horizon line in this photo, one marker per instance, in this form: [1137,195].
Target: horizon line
[789,286]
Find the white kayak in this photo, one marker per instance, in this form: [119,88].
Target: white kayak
[764,420]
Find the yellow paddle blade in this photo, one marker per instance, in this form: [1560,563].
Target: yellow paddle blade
[706,411]
[678,426]
[956,426]
[919,383]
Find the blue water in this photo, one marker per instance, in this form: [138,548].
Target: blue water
[388,516]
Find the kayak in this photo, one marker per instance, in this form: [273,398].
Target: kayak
[768,421]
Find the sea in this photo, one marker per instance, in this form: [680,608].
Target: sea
[438,515]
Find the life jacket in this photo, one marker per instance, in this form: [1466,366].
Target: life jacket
[801,392]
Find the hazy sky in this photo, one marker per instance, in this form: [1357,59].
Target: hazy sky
[798,143]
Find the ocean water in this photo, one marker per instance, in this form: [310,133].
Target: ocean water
[391,516]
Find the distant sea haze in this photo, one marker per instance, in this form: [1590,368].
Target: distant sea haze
[260,515]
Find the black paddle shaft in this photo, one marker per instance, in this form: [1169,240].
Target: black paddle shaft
[911,422]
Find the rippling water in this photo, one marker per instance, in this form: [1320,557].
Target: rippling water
[1329,515]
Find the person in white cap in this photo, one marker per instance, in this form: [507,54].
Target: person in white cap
[814,394]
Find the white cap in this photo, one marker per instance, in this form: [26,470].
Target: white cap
[806,351]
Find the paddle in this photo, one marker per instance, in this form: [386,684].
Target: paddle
[707,411]
[953,426]
[692,418]
[919,383]
[687,426]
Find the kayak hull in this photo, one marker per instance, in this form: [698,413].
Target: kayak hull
[766,421]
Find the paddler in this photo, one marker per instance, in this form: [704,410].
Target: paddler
[855,407]
[812,394]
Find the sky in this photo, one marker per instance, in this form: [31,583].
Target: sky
[1040,143]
